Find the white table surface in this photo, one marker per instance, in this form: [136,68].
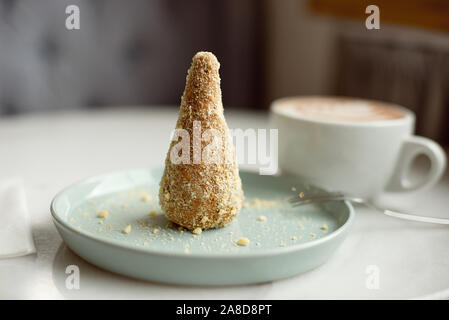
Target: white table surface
[51,151]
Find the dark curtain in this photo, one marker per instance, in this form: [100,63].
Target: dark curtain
[125,53]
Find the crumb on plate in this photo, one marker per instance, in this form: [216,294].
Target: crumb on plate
[243,241]
[169,224]
[103,214]
[127,229]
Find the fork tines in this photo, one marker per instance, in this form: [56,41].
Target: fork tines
[302,198]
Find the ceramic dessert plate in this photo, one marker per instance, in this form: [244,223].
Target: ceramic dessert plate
[114,221]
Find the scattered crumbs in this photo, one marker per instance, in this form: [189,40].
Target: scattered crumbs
[145,243]
[312,234]
[294,238]
[258,203]
[324,227]
[197,231]
[171,238]
[243,241]
[100,229]
[301,194]
[261,218]
[300,226]
[100,222]
[257,243]
[186,250]
[293,189]
[79,227]
[282,244]
[103,214]
[180,228]
[153,213]
[86,214]
[230,232]
[127,229]
[145,197]
[156,230]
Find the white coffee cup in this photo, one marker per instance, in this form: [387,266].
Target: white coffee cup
[361,157]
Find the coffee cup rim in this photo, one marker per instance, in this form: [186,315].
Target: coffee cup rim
[408,114]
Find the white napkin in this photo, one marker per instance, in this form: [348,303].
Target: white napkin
[16,238]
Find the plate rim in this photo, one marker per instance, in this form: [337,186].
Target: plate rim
[228,256]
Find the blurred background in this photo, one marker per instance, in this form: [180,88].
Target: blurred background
[137,52]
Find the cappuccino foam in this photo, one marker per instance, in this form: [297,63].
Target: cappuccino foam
[342,109]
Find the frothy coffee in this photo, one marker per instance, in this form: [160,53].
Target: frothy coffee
[341,109]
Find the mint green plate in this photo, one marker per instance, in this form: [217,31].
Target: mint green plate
[284,241]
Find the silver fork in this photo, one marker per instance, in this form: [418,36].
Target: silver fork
[302,198]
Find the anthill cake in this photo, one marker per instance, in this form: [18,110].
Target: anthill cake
[200,186]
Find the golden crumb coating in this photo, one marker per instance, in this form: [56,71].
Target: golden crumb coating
[202,194]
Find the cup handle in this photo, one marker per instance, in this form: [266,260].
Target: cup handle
[411,148]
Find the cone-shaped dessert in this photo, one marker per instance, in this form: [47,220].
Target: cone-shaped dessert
[201,187]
